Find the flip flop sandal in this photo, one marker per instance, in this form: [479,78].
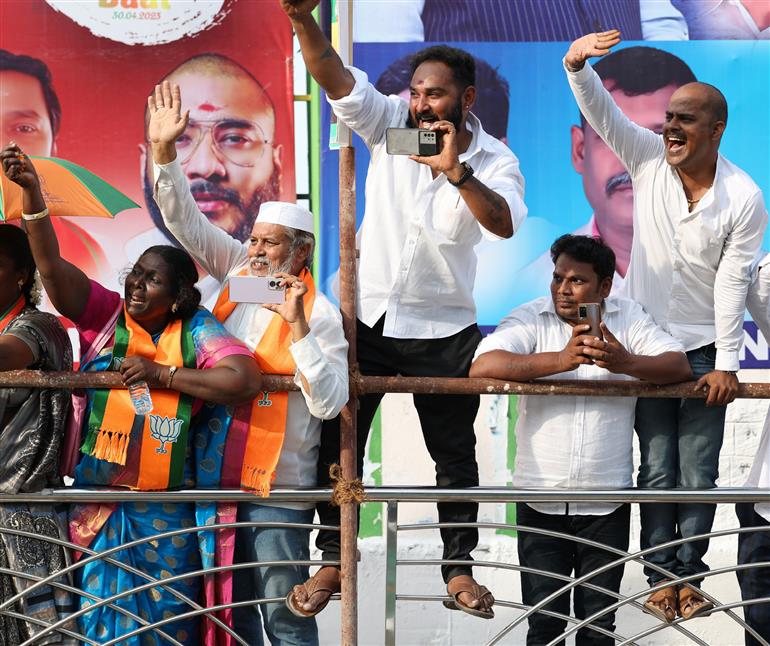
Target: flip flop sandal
[692,604]
[313,585]
[478,592]
[665,596]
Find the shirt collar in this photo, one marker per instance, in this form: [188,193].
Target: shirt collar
[481,139]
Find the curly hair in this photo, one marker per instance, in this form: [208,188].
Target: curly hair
[587,249]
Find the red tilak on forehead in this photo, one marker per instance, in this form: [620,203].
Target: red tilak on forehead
[207,107]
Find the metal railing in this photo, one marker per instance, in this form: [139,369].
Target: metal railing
[392,497]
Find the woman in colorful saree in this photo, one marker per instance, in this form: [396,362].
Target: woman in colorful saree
[30,439]
[157,334]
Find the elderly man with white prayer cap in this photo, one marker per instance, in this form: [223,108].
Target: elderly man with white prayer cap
[302,337]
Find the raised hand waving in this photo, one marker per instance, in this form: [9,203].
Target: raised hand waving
[167,123]
[589,46]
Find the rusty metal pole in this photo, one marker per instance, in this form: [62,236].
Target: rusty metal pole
[349,515]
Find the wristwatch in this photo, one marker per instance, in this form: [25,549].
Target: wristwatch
[464,177]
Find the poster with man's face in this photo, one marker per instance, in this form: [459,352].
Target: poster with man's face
[74,81]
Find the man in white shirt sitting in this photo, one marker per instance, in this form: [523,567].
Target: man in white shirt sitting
[582,442]
[302,337]
[698,224]
[416,316]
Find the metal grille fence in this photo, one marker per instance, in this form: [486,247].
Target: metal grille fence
[392,497]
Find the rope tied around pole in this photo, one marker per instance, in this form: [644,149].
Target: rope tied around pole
[345,491]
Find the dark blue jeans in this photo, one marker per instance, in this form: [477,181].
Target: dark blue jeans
[263,544]
[679,440]
[754,547]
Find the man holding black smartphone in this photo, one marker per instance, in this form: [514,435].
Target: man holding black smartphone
[423,218]
[300,335]
[576,442]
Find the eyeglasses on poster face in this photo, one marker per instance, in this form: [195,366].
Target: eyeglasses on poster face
[239,141]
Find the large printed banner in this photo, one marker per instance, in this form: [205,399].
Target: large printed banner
[574,183]
[75,76]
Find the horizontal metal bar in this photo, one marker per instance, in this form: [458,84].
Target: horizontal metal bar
[402,494]
[583,388]
[421,385]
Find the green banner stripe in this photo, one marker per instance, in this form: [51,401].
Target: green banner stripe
[101,395]
[112,199]
[2,201]
[120,345]
[184,412]
[98,406]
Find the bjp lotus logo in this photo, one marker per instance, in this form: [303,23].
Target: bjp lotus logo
[164,430]
[265,400]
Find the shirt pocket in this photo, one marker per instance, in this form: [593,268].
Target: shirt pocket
[450,218]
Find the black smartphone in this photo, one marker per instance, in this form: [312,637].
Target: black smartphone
[591,314]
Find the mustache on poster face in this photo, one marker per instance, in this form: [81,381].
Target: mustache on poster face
[617,182]
[212,191]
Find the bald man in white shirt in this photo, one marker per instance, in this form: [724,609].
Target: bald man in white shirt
[698,224]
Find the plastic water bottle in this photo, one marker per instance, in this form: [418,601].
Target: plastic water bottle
[140,397]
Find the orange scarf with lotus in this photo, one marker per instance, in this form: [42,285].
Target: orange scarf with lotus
[267,420]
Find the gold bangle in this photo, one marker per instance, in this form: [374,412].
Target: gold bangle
[171,371]
[35,216]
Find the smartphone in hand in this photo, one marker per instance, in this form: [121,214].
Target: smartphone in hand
[412,141]
[591,314]
[257,289]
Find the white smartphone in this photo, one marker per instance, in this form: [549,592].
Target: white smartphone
[256,289]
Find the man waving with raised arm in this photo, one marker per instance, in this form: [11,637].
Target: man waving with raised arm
[698,223]
[416,315]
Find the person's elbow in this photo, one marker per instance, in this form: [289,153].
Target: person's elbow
[481,368]
[245,382]
[677,369]
[327,410]
[683,368]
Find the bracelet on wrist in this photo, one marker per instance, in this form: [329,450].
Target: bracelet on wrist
[171,372]
[35,216]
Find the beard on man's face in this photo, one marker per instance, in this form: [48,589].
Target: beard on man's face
[268,192]
[455,116]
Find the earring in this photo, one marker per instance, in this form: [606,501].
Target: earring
[20,284]
[174,308]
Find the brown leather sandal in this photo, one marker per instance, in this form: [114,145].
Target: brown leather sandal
[662,603]
[692,604]
[325,581]
[475,590]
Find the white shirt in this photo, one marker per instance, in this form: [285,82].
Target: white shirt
[759,476]
[575,442]
[417,264]
[758,304]
[321,356]
[690,271]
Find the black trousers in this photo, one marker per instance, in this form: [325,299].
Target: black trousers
[562,556]
[754,547]
[446,421]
